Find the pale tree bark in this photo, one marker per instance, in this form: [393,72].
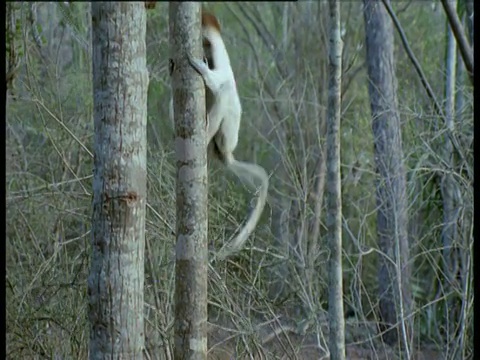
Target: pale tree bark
[464,236]
[334,191]
[191,267]
[393,272]
[279,272]
[460,75]
[469,6]
[120,82]
[451,196]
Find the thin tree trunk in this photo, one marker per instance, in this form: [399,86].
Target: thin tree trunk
[279,272]
[469,6]
[318,199]
[191,267]
[313,245]
[449,189]
[460,84]
[394,291]
[334,191]
[120,82]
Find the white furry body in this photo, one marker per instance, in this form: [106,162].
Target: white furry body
[226,112]
[223,127]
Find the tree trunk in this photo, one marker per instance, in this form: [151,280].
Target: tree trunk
[334,191]
[460,77]
[279,272]
[191,267]
[394,291]
[449,189]
[120,82]
[469,6]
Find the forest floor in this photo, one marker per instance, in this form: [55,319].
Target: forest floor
[284,342]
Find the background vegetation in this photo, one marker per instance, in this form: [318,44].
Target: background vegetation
[279,54]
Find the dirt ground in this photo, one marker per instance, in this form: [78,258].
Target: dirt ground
[362,344]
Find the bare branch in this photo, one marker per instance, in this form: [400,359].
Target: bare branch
[268,40]
[425,83]
[462,41]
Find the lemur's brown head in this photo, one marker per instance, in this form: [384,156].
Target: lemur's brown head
[210,21]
